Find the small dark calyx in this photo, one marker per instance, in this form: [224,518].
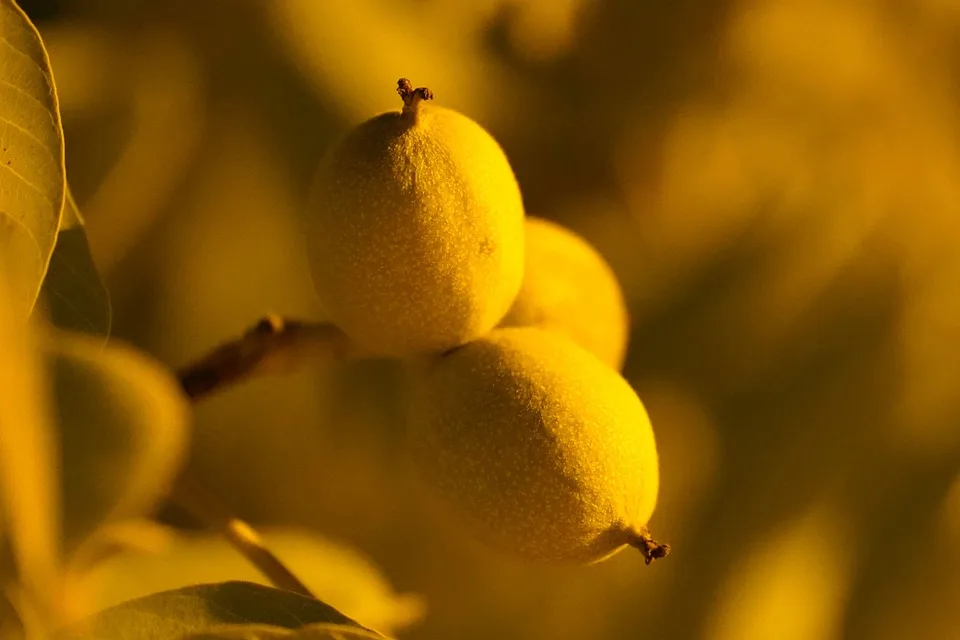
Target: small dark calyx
[656,552]
[412,97]
[650,548]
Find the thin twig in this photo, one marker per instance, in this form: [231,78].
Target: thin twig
[208,510]
[274,345]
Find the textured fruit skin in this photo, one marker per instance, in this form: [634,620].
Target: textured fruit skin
[569,287]
[415,232]
[542,450]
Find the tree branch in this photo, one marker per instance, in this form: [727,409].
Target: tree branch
[241,536]
[274,345]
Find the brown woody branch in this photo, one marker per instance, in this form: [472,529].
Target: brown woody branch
[274,345]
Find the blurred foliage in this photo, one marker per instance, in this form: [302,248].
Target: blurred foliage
[122,435]
[30,565]
[320,631]
[92,438]
[774,183]
[169,615]
[345,578]
[73,294]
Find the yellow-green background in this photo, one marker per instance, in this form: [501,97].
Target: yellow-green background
[775,182]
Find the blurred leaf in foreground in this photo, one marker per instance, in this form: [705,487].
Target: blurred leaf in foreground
[73,291]
[331,632]
[243,632]
[264,632]
[123,423]
[338,574]
[29,500]
[806,566]
[172,614]
[32,175]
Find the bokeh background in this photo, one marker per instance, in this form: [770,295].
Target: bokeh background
[775,182]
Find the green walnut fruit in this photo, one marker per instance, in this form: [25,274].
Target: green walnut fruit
[537,446]
[415,230]
[569,287]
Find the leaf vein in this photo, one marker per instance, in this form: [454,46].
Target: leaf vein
[27,182]
[24,54]
[26,229]
[79,313]
[20,90]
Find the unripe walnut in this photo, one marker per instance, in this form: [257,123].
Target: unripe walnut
[537,447]
[569,287]
[415,230]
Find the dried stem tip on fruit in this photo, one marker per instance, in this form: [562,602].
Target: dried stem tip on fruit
[412,97]
[650,548]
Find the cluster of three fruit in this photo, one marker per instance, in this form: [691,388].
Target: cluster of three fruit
[420,248]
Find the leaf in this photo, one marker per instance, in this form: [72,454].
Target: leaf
[29,497]
[243,632]
[336,573]
[32,174]
[266,632]
[170,615]
[10,624]
[332,632]
[123,429]
[75,296]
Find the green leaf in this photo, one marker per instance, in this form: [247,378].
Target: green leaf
[170,615]
[73,292]
[29,497]
[123,431]
[332,632]
[32,175]
[267,632]
[336,573]
[243,632]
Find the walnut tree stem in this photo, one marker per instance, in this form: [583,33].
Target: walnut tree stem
[274,345]
[212,514]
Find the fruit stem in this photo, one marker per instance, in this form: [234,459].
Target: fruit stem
[195,501]
[650,549]
[274,345]
[412,97]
